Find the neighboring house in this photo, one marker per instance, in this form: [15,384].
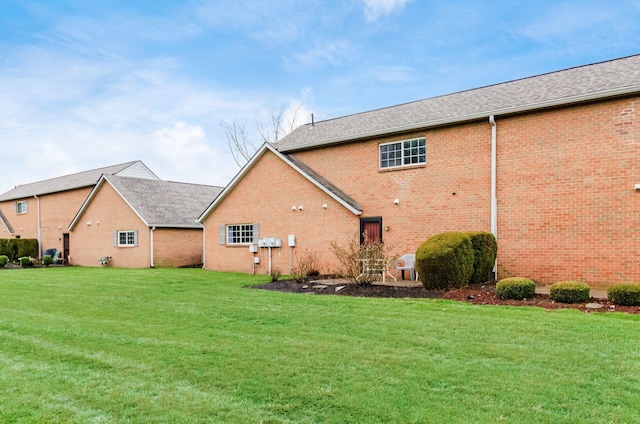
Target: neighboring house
[549,164]
[43,210]
[140,223]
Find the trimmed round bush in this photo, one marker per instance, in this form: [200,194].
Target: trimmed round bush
[4,260]
[516,288]
[25,261]
[445,261]
[569,292]
[624,294]
[47,260]
[485,249]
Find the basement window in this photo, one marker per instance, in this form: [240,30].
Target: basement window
[403,153]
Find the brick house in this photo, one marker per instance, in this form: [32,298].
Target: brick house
[140,223]
[549,164]
[43,210]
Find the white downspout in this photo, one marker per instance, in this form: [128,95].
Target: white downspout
[39,229]
[151,246]
[494,197]
[204,246]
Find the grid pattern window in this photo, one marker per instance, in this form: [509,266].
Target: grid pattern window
[126,238]
[403,153]
[240,234]
[21,207]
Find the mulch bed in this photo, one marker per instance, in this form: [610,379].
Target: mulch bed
[475,294]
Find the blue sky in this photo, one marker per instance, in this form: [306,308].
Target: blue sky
[86,84]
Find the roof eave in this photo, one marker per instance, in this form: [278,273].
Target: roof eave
[583,98]
[178,226]
[249,165]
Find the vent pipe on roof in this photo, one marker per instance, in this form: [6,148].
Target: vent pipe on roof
[313,123]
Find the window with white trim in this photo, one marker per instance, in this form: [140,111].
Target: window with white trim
[403,153]
[127,238]
[21,207]
[240,234]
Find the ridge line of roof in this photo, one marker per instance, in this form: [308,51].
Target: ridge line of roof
[471,89]
[581,98]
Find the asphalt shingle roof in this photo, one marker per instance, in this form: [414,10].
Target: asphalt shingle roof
[165,203]
[63,183]
[589,82]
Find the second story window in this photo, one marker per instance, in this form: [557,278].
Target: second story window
[403,153]
[21,207]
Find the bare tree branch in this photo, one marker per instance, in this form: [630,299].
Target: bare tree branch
[242,146]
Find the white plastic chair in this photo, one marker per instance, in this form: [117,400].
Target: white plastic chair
[406,262]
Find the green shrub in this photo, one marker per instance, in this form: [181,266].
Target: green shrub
[485,249]
[26,261]
[26,247]
[4,260]
[47,260]
[445,261]
[18,248]
[517,288]
[624,294]
[569,292]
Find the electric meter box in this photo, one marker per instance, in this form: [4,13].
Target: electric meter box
[253,248]
[270,242]
[292,240]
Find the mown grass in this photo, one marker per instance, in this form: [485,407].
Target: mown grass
[81,345]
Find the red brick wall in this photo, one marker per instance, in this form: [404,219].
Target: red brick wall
[56,212]
[567,206]
[177,247]
[107,213]
[452,191]
[24,225]
[265,196]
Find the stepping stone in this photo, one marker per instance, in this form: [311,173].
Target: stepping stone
[319,287]
[340,288]
[594,305]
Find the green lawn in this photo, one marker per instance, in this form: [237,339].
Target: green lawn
[163,345]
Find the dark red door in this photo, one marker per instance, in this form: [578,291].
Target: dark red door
[65,247]
[371,230]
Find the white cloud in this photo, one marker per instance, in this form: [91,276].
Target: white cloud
[182,141]
[325,53]
[376,8]
[183,152]
[65,111]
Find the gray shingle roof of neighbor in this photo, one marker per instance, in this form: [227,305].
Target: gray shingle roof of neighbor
[580,84]
[66,182]
[165,203]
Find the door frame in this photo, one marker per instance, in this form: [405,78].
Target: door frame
[364,222]
[65,247]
